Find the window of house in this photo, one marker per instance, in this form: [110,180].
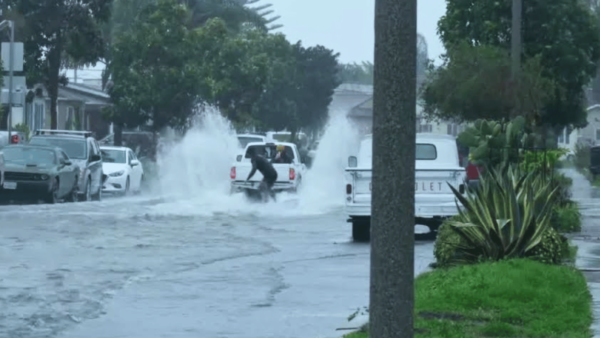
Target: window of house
[597,134]
[453,129]
[39,119]
[69,124]
[425,128]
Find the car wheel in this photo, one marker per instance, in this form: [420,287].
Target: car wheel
[73,197]
[127,191]
[361,231]
[52,197]
[87,194]
[98,195]
[139,189]
[298,185]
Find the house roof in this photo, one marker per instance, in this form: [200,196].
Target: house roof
[87,94]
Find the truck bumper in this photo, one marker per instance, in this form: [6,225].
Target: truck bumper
[239,186]
[423,209]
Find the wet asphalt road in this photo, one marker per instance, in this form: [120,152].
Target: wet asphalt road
[139,267]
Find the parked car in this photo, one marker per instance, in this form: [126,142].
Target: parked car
[141,142]
[16,137]
[595,161]
[289,175]
[83,149]
[38,172]
[125,172]
[437,164]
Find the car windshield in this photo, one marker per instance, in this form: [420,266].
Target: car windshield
[29,156]
[113,156]
[75,149]
[244,140]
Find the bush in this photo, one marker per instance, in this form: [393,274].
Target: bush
[445,244]
[505,218]
[563,185]
[552,249]
[566,218]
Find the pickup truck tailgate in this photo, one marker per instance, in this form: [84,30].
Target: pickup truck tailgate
[433,196]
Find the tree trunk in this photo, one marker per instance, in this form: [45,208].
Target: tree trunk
[53,79]
[393,207]
[118,130]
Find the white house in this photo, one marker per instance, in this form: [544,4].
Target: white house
[590,134]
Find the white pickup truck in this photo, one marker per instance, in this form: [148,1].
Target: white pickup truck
[437,164]
[289,172]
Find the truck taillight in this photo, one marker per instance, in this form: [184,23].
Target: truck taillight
[14,139]
[292,174]
[232,173]
[348,189]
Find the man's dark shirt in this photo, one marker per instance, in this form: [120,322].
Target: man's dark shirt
[264,166]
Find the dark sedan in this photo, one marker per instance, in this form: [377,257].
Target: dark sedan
[37,172]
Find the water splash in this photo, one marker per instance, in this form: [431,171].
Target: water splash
[199,164]
[324,184]
[195,171]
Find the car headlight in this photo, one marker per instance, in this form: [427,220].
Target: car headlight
[117,174]
[45,177]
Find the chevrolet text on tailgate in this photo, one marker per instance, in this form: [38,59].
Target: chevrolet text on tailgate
[289,168]
[437,165]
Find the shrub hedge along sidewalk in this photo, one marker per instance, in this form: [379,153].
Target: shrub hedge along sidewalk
[510,298]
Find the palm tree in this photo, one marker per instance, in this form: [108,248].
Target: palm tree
[392,233]
[268,21]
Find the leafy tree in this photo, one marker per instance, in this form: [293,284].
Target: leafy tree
[156,68]
[300,87]
[317,69]
[51,29]
[563,33]
[475,83]
[357,73]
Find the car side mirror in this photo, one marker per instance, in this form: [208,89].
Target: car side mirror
[352,162]
[238,158]
[95,158]
[67,162]
[135,163]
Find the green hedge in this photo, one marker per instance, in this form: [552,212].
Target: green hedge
[514,298]
[567,218]
[553,249]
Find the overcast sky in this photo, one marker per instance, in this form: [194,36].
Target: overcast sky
[347,26]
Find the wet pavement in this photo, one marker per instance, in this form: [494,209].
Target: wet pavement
[147,267]
[588,240]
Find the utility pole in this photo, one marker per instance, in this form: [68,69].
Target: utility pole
[516,48]
[11,59]
[393,197]
[11,25]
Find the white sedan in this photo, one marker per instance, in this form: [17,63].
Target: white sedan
[124,170]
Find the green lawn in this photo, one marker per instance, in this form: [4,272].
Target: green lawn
[516,298]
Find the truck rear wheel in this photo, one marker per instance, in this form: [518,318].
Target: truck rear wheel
[361,230]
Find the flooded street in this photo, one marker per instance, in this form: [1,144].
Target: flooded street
[135,272]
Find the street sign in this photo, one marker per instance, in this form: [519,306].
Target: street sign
[17,56]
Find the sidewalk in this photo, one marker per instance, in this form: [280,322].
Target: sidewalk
[588,240]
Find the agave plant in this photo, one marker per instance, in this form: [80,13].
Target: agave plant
[505,218]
